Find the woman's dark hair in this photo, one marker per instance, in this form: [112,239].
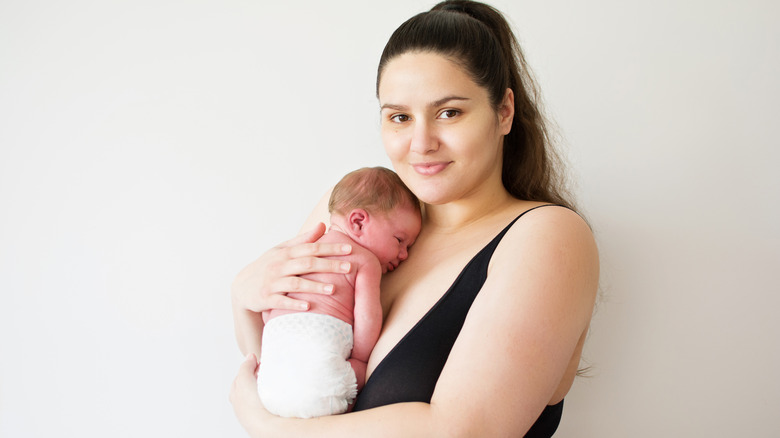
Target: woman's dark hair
[479,39]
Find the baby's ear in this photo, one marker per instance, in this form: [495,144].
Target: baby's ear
[357,220]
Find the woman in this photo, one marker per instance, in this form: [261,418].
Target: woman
[484,323]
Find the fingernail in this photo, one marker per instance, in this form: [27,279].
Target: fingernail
[346,249]
[303,306]
[329,288]
[345,267]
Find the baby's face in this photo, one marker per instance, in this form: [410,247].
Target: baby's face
[390,235]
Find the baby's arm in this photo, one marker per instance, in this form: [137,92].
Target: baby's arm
[368,317]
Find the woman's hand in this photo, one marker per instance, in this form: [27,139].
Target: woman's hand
[243,395]
[263,284]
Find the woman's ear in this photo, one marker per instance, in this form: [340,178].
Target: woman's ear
[506,111]
[357,219]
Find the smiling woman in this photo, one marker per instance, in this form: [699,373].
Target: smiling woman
[484,323]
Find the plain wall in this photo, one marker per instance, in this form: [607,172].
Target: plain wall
[150,149]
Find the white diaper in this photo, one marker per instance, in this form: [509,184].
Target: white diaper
[303,366]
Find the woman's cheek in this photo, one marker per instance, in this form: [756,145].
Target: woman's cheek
[393,143]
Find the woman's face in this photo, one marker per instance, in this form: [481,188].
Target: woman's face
[439,129]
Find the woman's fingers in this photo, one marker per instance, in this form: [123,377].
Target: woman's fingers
[311,264]
[249,365]
[246,402]
[298,284]
[246,372]
[284,302]
[243,391]
[318,250]
[261,285]
[302,255]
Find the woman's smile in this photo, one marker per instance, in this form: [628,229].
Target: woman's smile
[431,168]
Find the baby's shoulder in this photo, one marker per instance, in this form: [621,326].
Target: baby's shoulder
[363,257]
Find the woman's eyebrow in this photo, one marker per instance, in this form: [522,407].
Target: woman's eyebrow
[392,107]
[434,104]
[447,99]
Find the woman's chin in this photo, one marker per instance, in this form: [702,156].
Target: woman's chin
[436,190]
[433,197]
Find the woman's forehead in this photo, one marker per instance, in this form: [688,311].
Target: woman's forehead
[424,76]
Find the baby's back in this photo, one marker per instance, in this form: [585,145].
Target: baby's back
[341,303]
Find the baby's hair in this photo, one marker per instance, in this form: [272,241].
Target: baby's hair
[374,189]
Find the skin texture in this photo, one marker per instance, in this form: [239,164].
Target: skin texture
[521,342]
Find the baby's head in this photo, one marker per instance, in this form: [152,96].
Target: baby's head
[377,210]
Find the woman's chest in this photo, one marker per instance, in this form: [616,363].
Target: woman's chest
[413,289]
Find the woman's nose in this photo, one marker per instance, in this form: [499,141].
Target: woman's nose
[423,138]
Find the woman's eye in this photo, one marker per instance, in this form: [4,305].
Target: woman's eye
[399,118]
[448,114]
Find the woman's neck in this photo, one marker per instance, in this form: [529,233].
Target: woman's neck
[456,215]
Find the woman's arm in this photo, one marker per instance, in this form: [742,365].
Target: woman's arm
[524,328]
[398,420]
[514,350]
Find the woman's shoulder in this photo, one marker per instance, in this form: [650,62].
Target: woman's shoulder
[548,238]
[540,217]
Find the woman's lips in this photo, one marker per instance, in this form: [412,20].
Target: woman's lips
[429,169]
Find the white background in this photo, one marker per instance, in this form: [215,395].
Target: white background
[150,149]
